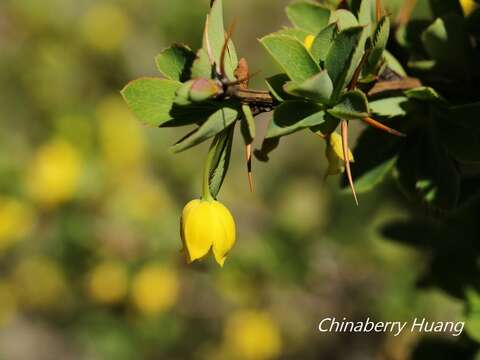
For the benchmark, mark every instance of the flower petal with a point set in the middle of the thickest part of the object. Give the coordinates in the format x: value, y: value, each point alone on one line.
x: 197, y: 227
x: 223, y: 243
x: 186, y: 211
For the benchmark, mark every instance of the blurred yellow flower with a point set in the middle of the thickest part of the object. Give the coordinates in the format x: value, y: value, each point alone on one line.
x: 155, y: 289
x: 468, y: 6
x: 105, y: 27
x: 8, y: 302
x: 308, y: 42
x: 108, y: 282
x: 252, y: 335
x: 16, y: 221
x: 142, y: 198
x: 121, y: 136
x: 207, y: 224
x: 39, y: 283
x: 55, y: 173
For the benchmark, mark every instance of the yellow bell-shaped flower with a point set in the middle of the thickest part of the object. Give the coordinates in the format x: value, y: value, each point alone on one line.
x: 468, y: 6
x: 207, y: 224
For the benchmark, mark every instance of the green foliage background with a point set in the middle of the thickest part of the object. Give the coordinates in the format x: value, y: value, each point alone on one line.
x: 90, y: 201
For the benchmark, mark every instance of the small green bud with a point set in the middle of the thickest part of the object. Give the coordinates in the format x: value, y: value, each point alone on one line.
x: 203, y: 89
x: 183, y: 98
x: 197, y: 90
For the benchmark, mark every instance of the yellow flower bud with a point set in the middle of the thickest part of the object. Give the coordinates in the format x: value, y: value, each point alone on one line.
x: 468, y: 6
x: 308, y: 42
x: 334, y: 153
x: 207, y: 224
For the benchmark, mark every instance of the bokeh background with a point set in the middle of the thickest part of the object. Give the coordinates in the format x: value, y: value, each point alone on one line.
x: 90, y: 200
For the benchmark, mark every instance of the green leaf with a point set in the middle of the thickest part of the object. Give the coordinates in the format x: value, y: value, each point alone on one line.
x: 323, y: 41
x: 231, y: 60
x: 447, y: 42
x: 344, y: 57
x: 327, y: 127
x: 394, y: 64
x: 389, y: 107
x: 214, y: 39
x: 422, y: 65
x: 425, y: 93
x: 292, y: 56
x: 201, y: 67
x: 344, y: 19
x: 318, y: 88
x: 175, y: 62
x: 296, y: 33
x: 275, y: 85
x: 308, y: 16
x: 292, y: 116
x: 182, y: 97
x: 221, y: 159
x: 365, y: 14
x: 151, y: 99
x: 380, y: 40
x: 352, y: 106
x: 187, y: 115
x: 268, y: 145
x: 374, y: 176
x: 248, y: 124
x: 216, y: 123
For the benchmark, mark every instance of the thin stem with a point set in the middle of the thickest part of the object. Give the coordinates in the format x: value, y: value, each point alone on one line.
x: 206, y: 195
x: 264, y: 97
x: 252, y: 96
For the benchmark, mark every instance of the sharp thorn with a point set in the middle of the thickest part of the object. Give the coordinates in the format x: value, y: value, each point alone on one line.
x: 207, y: 42
x: 346, y: 158
x: 248, y: 153
x: 228, y: 36
x: 379, y: 10
x: 243, y: 79
x: 383, y: 127
x: 358, y: 71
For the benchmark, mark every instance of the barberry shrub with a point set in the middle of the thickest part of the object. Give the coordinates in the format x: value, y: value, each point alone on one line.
x: 411, y: 75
